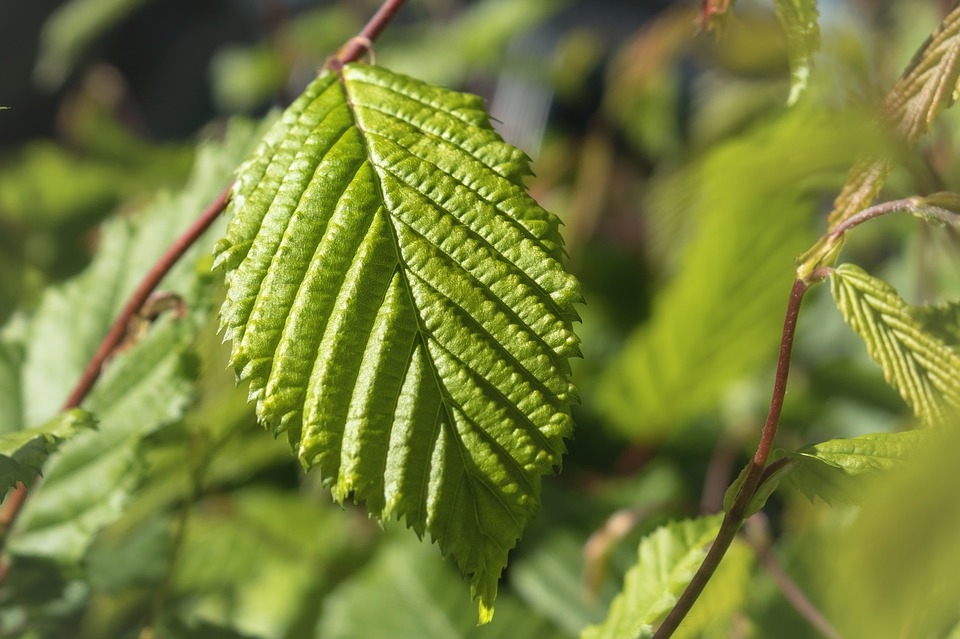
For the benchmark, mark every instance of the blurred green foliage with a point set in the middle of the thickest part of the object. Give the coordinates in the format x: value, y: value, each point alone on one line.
x: 686, y: 186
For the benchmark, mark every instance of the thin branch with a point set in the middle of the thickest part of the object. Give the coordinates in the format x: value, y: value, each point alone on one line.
x: 13, y: 504
x: 733, y: 519
x: 758, y: 536
x: 153, y: 277
x: 364, y: 40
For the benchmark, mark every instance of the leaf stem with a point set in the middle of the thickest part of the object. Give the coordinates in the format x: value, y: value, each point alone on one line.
x: 734, y: 517
x: 909, y: 204
x: 363, y: 40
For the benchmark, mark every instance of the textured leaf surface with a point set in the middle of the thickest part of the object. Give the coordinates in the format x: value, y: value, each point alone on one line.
x: 23, y: 452
x: 924, y: 369
x: 717, y: 320
x: 397, y: 303
x: 925, y: 89
x: 799, y: 19
x: 667, y: 561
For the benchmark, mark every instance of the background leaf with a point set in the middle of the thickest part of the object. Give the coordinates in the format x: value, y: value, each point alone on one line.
x: 397, y: 302
x: 915, y: 362
x: 717, y: 319
x: 23, y: 452
x: 667, y: 560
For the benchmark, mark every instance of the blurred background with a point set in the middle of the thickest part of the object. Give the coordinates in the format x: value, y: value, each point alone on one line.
x: 685, y: 183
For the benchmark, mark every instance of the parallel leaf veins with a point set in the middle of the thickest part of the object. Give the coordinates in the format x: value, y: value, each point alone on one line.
x: 397, y: 303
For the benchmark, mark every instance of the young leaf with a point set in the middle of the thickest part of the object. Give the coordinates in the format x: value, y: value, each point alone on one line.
x: 397, y: 303
x: 799, y: 20
x: 926, y: 88
x: 22, y: 452
x: 825, y: 469
x: 914, y: 361
x: 667, y: 561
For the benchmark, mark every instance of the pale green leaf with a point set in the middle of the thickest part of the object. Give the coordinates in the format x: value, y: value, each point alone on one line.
x: 397, y: 303
x: 826, y: 469
x: 88, y: 481
x: 404, y: 592
x: 799, y: 20
x: 23, y: 452
x: 11, y: 399
x: 725, y: 594
x: 917, y: 363
x: 667, y: 560
x: 718, y: 319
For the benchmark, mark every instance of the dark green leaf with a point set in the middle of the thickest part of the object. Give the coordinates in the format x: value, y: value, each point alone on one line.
x: 397, y: 302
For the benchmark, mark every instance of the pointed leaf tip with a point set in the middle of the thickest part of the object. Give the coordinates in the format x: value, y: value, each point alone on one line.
x: 398, y: 304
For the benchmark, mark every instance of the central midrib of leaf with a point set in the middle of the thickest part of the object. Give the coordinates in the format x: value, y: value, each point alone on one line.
x: 396, y: 300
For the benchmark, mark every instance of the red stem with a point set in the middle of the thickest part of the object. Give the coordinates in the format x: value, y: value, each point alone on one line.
x: 362, y: 41
x: 13, y: 504
x: 734, y: 517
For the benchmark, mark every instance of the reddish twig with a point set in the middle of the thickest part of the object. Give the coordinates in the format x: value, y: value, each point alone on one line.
x: 734, y: 517
x: 758, y: 536
x: 364, y: 40
x: 13, y: 504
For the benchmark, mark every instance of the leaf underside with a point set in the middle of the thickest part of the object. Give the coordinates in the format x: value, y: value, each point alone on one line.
x: 914, y: 360
x: 397, y: 303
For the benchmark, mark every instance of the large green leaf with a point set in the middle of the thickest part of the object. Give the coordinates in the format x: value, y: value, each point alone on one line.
x: 667, y: 561
x: 397, y: 302
x: 914, y: 361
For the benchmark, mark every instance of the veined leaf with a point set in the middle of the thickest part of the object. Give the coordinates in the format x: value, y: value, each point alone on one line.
x: 799, y: 19
x: 927, y: 87
x: 914, y: 361
x: 397, y: 303
x: 667, y: 561
x: 23, y: 452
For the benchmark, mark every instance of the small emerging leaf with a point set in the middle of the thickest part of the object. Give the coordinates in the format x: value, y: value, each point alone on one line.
x: 667, y: 561
x: 914, y: 361
x: 23, y: 452
x: 397, y: 302
x: 925, y: 89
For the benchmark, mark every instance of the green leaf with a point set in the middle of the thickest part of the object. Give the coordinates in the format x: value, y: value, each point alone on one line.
x: 397, y: 302
x: 718, y: 319
x: 88, y: 482
x: 724, y: 595
x: 23, y: 452
x: 917, y: 363
x: 403, y: 592
x: 825, y: 469
x: 667, y: 560
x: 799, y: 20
